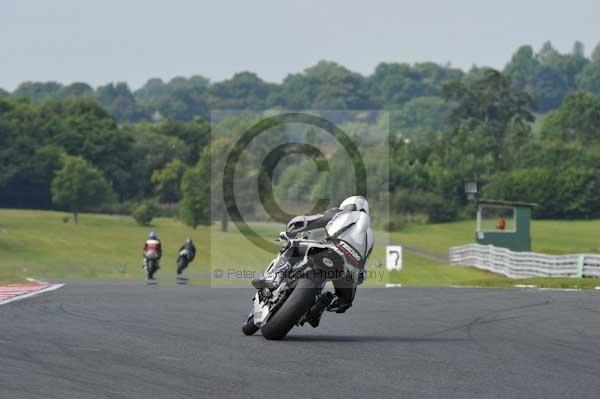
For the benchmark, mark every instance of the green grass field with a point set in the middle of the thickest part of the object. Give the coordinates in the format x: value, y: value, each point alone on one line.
x: 38, y: 244
x: 548, y: 236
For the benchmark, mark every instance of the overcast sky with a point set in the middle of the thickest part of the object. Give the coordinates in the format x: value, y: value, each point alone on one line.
x: 133, y: 40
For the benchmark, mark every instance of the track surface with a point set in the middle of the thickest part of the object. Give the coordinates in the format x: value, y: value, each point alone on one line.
x: 127, y: 340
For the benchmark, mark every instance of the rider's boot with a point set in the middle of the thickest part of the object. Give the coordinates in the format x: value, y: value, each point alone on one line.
x: 313, y: 317
x: 345, y: 290
x: 339, y: 306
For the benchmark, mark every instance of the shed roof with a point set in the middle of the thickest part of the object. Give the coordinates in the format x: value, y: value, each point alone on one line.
x: 507, y: 203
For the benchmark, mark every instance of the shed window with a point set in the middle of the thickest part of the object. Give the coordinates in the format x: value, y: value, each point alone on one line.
x: 494, y: 218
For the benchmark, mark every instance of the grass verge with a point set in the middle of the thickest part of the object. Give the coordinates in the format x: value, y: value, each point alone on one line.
x: 38, y: 244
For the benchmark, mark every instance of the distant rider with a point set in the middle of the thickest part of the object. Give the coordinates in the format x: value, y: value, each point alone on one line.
x: 349, y: 226
x: 152, y: 251
x: 187, y: 253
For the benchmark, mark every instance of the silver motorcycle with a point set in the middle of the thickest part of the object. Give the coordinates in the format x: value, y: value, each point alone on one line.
x: 291, y: 290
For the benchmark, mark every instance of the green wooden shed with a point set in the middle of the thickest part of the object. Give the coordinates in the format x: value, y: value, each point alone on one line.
x: 505, y: 224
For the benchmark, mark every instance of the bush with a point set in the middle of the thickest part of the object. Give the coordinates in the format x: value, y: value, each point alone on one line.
x: 119, y: 208
x: 441, y: 210
x: 167, y: 211
x: 65, y: 219
x: 144, y: 213
x: 409, y: 202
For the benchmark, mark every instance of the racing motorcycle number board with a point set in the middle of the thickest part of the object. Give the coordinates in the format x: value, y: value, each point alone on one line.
x: 393, y: 257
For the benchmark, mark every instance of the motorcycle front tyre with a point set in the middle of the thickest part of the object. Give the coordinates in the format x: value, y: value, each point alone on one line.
x: 296, y: 305
x: 249, y: 328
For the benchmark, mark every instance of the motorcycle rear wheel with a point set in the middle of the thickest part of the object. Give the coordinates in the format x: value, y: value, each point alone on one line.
x: 151, y: 267
x: 296, y: 305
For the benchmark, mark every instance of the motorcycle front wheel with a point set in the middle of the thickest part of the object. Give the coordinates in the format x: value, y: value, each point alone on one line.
x: 296, y: 305
x: 181, y: 265
x: 249, y: 328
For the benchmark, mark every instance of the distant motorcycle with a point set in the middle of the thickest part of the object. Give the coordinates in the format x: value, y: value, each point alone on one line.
x: 187, y: 253
x: 151, y: 264
x: 291, y: 291
x: 185, y: 257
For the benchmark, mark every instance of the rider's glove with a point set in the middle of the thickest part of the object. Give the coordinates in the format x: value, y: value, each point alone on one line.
x: 283, y: 236
x: 295, y: 225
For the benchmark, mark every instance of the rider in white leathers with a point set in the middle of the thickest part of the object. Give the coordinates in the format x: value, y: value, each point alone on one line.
x: 349, y: 226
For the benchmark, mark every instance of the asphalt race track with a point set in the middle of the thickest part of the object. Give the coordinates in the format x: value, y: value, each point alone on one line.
x: 128, y: 340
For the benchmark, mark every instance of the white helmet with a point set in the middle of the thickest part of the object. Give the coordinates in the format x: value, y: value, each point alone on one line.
x: 355, y: 203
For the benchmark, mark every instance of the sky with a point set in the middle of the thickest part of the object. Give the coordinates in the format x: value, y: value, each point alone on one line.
x: 134, y: 40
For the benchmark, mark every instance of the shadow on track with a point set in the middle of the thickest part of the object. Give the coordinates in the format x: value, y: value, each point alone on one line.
x: 368, y: 339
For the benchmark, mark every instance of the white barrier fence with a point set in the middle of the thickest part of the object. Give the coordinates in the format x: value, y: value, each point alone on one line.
x: 525, y: 264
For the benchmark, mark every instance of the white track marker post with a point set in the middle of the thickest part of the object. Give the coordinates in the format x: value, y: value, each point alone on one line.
x: 393, y: 257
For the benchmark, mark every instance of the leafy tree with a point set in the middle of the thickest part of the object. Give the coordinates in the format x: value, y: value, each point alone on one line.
x: 559, y: 193
x: 195, y: 134
x: 522, y: 68
x: 26, y: 167
x: 420, y: 116
x: 79, y: 186
x: 488, y: 106
x: 180, y: 98
x: 78, y: 89
x: 245, y: 90
x: 550, y: 87
x: 167, y: 181
x: 548, y: 75
x: 577, y: 119
x: 152, y: 151
x: 595, y: 57
x: 118, y: 100
x: 394, y: 84
x: 40, y: 172
x: 144, y: 213
x: 556, y: 75
x: 589, y: 77
x: 326, y: 85
x: 83, y: 128
x: 38, y: 91
x: 195, y: 189
x: 213, y: 159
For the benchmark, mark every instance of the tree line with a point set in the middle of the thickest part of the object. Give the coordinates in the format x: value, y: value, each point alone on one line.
x: 412, y: 93
x: 530, y: 132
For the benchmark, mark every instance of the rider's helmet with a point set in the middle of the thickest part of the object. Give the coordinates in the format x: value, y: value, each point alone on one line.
x: 188, y: 240
x: 153, y: 235
x: 355, y: 203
